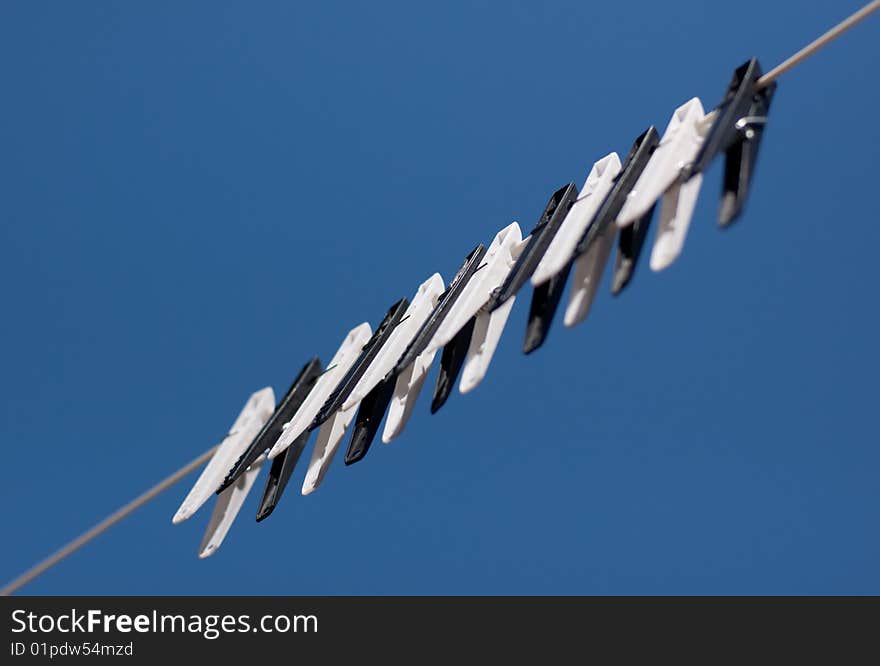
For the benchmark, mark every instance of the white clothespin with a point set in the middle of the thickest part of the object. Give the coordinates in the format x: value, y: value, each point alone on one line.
x: 332, y: 432
x: 254, y: 414
x: 561, y: 249
x: 588, y: 267
x: 684, y: 135
x: 420, y: 307
x: 497, y: 262
x: 226, y: 509
x: 342, y: 360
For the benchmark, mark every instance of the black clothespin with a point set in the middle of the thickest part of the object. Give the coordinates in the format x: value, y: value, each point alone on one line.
x: 369, y: 416
x: 630, y: 244
x: 736, y: 132
x: 629, y: 247
x: 451, y: 362
x: 632, y: 168
x: 427, y: 330
x: 368, y: 353
x: 545, y: 298
x: 540, y: 238
x: 271, y: 430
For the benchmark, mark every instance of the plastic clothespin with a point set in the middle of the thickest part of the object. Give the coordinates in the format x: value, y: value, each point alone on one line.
x: 495, y: 268
x: 346, y: 385
x: 545, y: 298
x: 342, y: 360
x: 253, y: 415
x: 372, y: 394
x: 283, y: 465
x: 272, y: 429
x: 425, y: 334
x: 413, y: 366
x: 592, y: 251
x: 682, y: 139
x: 334, y: 417
x: 455, y: 332
x: 736, y: 131
x: 540, y: 238
x: 552, y: 271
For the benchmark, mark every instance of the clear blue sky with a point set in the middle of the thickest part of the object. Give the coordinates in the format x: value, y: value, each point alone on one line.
x: 196, y: 199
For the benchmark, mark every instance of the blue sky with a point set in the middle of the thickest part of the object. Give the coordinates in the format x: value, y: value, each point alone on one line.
x: 196, y: 199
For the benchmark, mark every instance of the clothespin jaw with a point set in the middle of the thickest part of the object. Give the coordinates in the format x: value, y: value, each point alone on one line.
x: 629, y: 247
x: 226, y: 509
x: 545, y: 301
x: 392, y: 318
x: 736, y: 132
x: 279, y: 474
x: 447, y: 300
x: 451, y: 362
x: 541, y: 236
x: 273, y: 428
x: 369, y: 416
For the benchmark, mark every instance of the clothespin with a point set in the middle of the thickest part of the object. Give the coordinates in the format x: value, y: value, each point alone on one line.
x: 426, y: 332
x: 283, y: 465
x: 736, y: 131
x: 372, y: 394
x: 682, y: 139
x: 545, y: 298
x: 272, y: 429
x: 342, y: 360
x: 541, y: 236
x: 592, y: 251
x: 413, y: 365
x: 455, y: 331
x: 347, y: 384
x: 552, y: 271
x: 489, y: 276
x: 333, y: 418
x: 253, y: 415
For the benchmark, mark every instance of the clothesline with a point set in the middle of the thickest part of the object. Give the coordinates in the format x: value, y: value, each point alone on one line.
x: 169, y: 481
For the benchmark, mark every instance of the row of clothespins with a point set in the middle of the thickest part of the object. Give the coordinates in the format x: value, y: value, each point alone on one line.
x: 383, y: 370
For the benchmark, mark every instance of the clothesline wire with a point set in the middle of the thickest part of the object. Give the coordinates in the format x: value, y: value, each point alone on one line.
x: 169, y: 481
